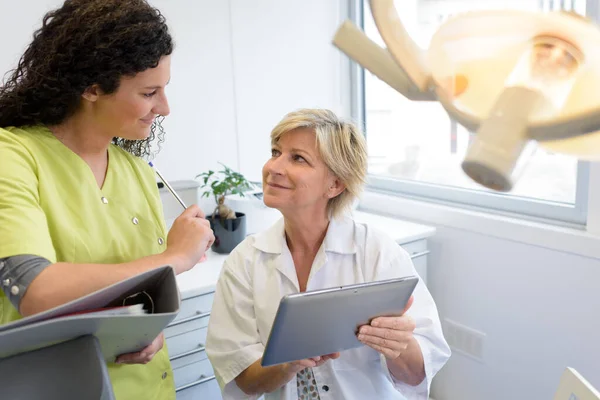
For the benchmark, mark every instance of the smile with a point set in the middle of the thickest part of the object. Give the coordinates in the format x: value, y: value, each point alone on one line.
x: 276, y: 186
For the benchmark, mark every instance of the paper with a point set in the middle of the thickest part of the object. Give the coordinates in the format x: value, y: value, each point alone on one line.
x: 119, y: 329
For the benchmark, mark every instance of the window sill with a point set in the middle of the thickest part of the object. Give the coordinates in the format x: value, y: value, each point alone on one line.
x: 565, y: 239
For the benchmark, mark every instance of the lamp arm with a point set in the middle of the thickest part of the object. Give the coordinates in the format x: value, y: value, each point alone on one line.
x: 355, y: 44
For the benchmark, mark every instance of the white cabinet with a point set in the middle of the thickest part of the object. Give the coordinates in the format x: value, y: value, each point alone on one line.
x: 204, y: 389
x: 418, y: 253
x: 411, y: 236
x: 186, y: 338
x: 186, y: 335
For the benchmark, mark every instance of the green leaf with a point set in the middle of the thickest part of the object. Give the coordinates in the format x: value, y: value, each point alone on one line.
x: 223, y: 182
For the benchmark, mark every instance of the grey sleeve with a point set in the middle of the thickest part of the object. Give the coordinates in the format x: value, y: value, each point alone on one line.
x: 17, y: 273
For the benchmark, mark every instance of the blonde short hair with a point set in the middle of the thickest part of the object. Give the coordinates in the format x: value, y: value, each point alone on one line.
x: 342, y: 147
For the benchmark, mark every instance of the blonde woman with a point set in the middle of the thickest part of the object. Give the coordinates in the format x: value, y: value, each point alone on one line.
x: 317, y: 168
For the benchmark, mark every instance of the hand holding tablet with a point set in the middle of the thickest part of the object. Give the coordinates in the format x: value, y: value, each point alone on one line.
x: 324, y: 322
x: 389, y: 336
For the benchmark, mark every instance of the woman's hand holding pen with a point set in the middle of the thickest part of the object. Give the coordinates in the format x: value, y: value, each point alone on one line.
x: 189, y: 239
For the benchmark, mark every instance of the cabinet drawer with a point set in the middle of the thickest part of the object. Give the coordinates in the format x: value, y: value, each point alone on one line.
x: 192, y: 372
x: 415, y: 248
x: 193, y: 306
x: 186, y: 342
x: 207, y: 389
x: 420, y: 264
x: 190, y: 357
x: 187, y: 325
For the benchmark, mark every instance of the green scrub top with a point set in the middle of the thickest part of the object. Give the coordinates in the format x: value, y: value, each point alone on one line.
x: 51, y: 206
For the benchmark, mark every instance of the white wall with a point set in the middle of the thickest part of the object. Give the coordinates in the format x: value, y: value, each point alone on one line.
x: 238, y: 67
x: 538, y: 307
x: 17, y: 25
x: 283, y: 60
x: 201, y: 129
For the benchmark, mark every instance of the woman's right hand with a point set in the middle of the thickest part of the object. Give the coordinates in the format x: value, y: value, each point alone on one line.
x: 297, y: 366
x: 189, y: 238
x: 257, y: 380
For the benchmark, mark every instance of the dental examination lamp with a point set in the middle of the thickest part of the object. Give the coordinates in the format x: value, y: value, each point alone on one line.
x: 511, y: 77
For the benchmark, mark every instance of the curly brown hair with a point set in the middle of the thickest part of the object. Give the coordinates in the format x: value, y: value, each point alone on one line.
x: 82, y: 43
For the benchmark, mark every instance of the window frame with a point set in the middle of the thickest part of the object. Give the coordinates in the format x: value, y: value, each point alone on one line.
x: 573, y: 215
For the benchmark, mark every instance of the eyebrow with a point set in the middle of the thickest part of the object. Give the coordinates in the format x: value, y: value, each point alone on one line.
x: 157, y: 87
x: 294, y: 150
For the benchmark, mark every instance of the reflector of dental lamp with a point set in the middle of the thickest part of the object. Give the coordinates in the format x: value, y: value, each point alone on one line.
x: 510, y: 77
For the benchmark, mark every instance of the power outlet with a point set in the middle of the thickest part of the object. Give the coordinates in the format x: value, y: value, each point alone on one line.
x: 463, y: 339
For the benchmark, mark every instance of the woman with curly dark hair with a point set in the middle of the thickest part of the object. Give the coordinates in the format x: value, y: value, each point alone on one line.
x: 79, y: 207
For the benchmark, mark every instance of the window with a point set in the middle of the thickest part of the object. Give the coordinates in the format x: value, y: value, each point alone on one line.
x: 416, y: 149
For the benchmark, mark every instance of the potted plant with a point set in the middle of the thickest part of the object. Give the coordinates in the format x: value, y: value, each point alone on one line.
x: 228, y: 226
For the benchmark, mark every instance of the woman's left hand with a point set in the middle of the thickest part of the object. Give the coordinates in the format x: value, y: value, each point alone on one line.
x: 390, y: 336
x: 145, y: 355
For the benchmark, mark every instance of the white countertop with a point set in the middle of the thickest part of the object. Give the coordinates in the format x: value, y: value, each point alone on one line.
x: 401, y: 231
x: 203, y: 277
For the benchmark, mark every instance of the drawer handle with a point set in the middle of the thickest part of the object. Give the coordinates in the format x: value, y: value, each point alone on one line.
x: 200, y: 348
x: 199, y: 314
x: 419, y: 254
x: 200, y: 381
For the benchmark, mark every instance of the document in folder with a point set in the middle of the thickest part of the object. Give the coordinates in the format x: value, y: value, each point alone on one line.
x: 121, y: 327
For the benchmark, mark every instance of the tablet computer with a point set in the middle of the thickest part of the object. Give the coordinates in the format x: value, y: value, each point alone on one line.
x: 320, y: 322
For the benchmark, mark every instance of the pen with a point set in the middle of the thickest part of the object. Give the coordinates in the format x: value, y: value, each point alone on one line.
x: 168, y: 186
x: 174, y: 195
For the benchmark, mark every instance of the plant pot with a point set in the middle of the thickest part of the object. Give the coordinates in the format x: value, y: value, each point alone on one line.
x: 228, y: 233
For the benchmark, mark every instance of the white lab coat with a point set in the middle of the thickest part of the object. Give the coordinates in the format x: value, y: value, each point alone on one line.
x: 260, y: 271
